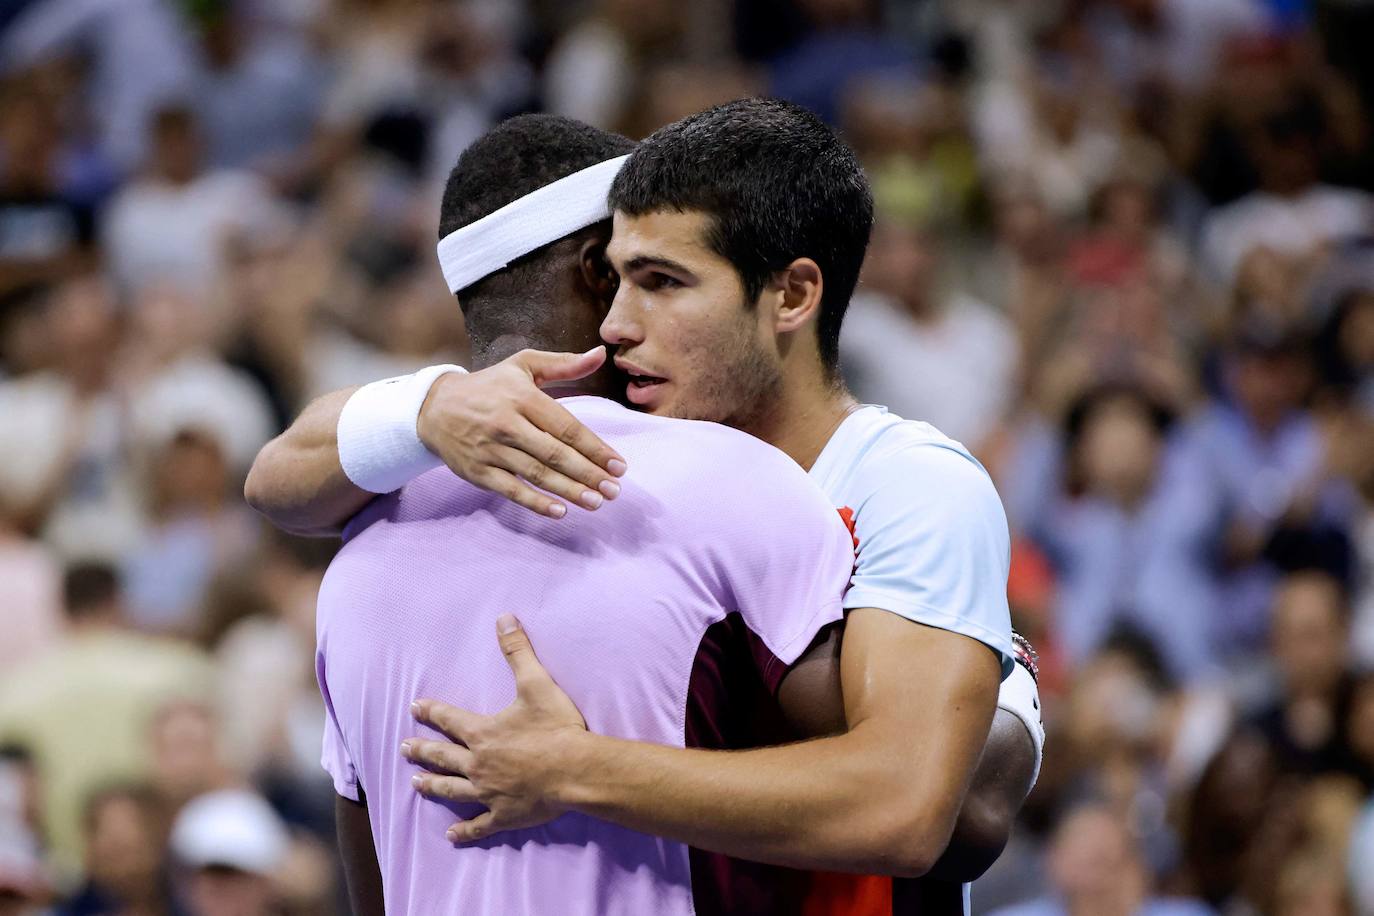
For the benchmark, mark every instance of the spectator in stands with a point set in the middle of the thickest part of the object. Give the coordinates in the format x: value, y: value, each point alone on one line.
x: 65, y: 467
x: 171, y: 223
x: 1131, y: 534
x: 929, y: 354
x: 226, y: 846
x: 1095, y: 867
x: 1305, y: 722
x: 107, y: 683
x: 44, y: 233
x: 125, y: 827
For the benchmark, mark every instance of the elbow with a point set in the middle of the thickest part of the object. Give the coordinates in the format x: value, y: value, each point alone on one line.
x: 908, y: 845
x: 913, y: 856
x: 979, y: 837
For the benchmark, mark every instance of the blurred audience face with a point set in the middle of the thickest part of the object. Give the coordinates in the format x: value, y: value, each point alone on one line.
x: 165, y: 322
x: 1311, y: 885
x: 26, y: 337
x: 190, y: 474
x: 1024, y: 223
x: 1113, y: 709
x: 901, y: 264
x: 124, y: 845
x: 1309, y: 634
x: 184, y: 744
x: 1268, y: 385
x: 176, y: 145
x: 219, y: 891
x: 1119, y: 450
x: 29, y: 138
x: 1356, y: 335
x: 1360, y: 723
x: 83, y: 326
x: 1094, y: 864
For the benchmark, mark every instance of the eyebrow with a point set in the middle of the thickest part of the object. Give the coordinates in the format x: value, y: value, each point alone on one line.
x: 642, y: 261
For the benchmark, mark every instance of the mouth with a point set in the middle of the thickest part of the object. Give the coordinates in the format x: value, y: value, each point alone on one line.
x: 642, y: 388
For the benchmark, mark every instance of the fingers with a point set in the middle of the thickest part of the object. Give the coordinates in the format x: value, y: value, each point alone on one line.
x: 449, y: 788
x: 441, y: 757
x: 575, y: 449
x: 540, y: 475
x: 515, y: 645
x: 545, y: 367
x: 522, y: 494
x: 479, y: 828
x: 455, y: 723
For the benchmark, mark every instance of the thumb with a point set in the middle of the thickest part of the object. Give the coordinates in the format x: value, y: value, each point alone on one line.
x: 545, y: 367
x: 519, y: 653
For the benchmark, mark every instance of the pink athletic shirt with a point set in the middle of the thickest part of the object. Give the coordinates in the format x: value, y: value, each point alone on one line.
x: 718, y: 549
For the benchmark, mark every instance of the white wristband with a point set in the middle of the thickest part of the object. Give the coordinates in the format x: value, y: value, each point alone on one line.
x: 1021, y: 697
x: 379, y: 447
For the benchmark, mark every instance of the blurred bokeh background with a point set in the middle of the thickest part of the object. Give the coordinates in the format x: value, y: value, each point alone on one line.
x: 1124, y: 252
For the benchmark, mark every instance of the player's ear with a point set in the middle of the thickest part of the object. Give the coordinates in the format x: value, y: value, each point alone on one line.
x: 597, y: 273
x: 799, y: 286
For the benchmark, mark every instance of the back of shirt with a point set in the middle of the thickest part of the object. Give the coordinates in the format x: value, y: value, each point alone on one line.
x: 710, y: 522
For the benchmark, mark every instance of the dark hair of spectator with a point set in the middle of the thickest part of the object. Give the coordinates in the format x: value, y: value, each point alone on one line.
x: 89, y: 588
x: 777, y: 184
x: 1161, y: 418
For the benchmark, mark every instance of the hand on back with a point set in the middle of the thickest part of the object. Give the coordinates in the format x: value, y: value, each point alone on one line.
x: 498, y: 430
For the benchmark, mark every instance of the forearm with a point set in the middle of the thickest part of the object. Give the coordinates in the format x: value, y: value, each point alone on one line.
x: 843, y: 803
x: 297, y: 480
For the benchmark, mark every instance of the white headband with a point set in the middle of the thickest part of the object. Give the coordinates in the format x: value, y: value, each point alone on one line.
x: 521, y: 226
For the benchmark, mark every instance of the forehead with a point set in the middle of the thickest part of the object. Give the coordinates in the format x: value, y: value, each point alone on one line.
x: 667, y: 234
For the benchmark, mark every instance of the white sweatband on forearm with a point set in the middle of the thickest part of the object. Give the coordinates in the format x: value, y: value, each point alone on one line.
x: 1021, y: 697
x: 379, y: 447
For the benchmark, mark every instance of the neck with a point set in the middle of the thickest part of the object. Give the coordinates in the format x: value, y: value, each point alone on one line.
x: 808, y: 410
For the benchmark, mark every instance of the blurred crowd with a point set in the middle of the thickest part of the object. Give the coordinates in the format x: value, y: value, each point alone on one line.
x: 1125, y: 252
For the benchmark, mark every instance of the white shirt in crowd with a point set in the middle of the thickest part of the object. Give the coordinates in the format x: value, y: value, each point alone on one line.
x: 1293, y: 225
x: 955, y: 372
x: 156, y: 231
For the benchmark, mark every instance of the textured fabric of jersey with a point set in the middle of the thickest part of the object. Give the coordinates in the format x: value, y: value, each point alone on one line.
x: 710, y: 523
x: 931, y: 534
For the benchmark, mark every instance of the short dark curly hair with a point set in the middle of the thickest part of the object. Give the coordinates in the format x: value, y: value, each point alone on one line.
x: 515, y: 158
x: 520, y: 155
x: 777, y: 184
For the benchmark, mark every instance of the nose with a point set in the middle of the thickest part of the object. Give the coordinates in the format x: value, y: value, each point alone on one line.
x: 622, y: 325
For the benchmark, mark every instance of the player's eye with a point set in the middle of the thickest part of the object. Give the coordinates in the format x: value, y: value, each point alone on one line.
x: 657, y: 281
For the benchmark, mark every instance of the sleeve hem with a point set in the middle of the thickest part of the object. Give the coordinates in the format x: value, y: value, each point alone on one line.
x: 344, y: 786
x: 858, y: 597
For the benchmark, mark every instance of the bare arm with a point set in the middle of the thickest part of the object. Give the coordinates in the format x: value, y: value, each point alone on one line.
x: 359, y: 855
x: 881, y: 798
x: 493, y: 428
x: 297, y: 481
x: 812, y: 701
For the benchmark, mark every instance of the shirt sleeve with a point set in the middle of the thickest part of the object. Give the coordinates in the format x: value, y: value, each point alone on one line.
x: 933, y: 545
x: 334, y: 756
x: 789, y: 558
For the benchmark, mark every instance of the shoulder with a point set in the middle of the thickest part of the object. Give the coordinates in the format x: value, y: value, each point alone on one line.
x: 915, y: 457
x: 702, y: 446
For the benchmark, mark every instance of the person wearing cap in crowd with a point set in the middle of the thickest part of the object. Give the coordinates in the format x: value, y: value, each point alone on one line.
x: 228, y: 845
